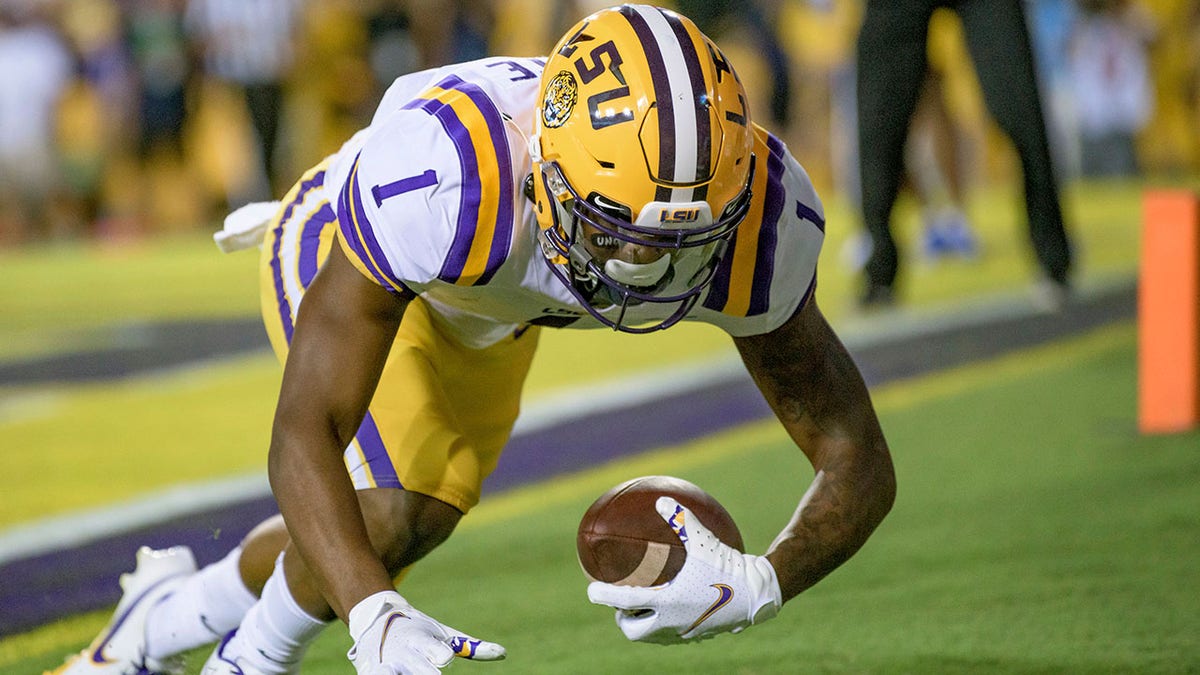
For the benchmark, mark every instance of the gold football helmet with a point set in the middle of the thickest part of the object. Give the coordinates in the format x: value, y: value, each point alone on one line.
x: 642, y: 161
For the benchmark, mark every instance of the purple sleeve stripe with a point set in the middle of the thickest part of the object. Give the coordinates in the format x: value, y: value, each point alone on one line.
x: 310, y: 243
x: 768, y: 236
x: 470, y: 194
x: 472, y: 226
x: 379, y: 464
x: 812, y: 288
x: 774, y: 145
x: 503, y: 229
x: 281, y: 299
x: 359, y: 234
x: 764, y: 239
x: 382, y: 192
x: 718, y: 290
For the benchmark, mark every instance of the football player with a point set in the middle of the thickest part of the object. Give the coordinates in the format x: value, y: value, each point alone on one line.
x: 619, y: 183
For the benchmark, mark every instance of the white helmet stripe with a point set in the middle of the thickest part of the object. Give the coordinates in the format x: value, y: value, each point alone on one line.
x: 682, y: 98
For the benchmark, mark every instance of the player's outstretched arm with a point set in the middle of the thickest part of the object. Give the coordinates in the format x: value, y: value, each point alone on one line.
x: 817, y: 392
x: 344, y: 331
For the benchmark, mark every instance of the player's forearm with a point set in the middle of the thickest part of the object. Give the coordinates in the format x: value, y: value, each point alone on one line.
x: 848, y: 498
x: 324, y: 520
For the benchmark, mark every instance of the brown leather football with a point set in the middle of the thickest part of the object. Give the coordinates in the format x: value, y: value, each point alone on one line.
x: 623, y: 540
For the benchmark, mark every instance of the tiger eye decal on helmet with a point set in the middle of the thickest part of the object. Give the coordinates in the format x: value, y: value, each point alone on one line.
x: 560, y: 98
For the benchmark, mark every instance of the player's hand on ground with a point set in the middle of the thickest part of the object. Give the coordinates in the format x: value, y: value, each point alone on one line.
x: 718, y: 590
x: 393, y: 638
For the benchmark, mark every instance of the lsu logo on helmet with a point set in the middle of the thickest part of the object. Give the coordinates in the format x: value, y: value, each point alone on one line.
x: 679, y: 215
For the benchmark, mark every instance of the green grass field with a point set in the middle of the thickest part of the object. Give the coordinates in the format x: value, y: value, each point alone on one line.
x: 1035, y: 532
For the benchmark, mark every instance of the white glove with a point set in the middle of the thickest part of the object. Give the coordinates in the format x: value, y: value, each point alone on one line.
x: 393, y: 638
x: 718, y: 589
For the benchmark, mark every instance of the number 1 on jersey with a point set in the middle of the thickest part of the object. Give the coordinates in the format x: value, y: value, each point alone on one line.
x: 399, y: 187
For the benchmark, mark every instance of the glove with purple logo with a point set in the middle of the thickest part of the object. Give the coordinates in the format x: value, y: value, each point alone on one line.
x: 393, y: 638
x: 718, y: 589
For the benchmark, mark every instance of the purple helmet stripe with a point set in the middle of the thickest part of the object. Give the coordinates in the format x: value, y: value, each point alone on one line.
x: 662, y: 97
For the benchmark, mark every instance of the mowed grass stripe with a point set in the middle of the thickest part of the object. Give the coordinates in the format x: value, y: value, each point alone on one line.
x: 1036, y: 531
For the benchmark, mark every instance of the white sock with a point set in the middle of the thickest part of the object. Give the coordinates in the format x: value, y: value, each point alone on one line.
x: 276, y: 631
x: 206, y: 606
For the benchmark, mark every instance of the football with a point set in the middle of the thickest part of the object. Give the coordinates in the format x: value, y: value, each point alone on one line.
x: 623, y: 540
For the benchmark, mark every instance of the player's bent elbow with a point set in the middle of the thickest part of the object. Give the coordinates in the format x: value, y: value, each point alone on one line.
x: 882, y: 487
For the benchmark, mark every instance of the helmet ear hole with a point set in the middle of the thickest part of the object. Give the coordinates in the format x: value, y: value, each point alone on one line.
x: 527, y: 188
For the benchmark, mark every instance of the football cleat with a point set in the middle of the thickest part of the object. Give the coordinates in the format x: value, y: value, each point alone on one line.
x: 221, y: 663
x: 121, y: 647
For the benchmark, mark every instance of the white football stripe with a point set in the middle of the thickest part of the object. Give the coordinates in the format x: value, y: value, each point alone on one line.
x: 651, y: 566
x: 686, y: 136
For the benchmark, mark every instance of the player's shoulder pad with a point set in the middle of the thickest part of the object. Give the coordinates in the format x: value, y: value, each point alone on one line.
x: 769, y: 268
x: 436, y: 183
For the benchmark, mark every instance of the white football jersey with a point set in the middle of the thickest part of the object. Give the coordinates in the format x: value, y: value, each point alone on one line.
x: 429, y: 200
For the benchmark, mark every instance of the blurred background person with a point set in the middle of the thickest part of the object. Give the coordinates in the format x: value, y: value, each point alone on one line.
x: 1050, y: 26
x: 162, y: 69
x: 36, y: 67
x: 250, y: 45
x: 892, y: 63
x: 937, y: 156
x: 98, y: 124
x: 449, y: 31
x: 1109, y: 67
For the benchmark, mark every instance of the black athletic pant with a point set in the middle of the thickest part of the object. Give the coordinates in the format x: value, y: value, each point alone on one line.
x: 891, y: 67
x: 265, y: 103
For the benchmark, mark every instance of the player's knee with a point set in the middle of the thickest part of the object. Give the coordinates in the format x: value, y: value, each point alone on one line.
x: 260, y: 548
x: 405, y: 526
